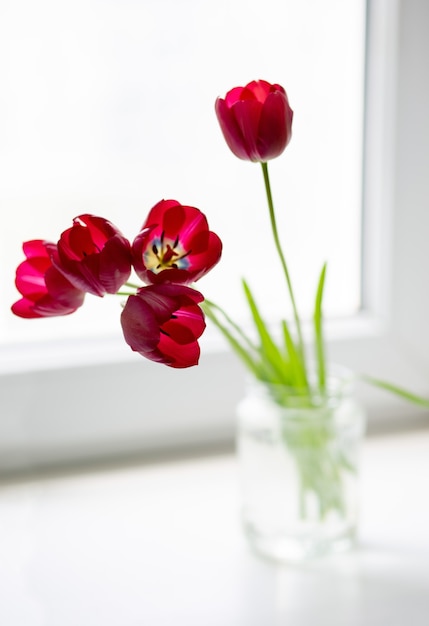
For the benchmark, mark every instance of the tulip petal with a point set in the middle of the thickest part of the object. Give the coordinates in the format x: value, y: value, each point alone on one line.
x: 179, y: 356
x: 275, y: 126
x: 35, y: 248
x: 231, y: 130
x: 259, y: 90
x: 139, y: 325
x: 157, y: 212
x: 24, y: 308
x: 30, y: 276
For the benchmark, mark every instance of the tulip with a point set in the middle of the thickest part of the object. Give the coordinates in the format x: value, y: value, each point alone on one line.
x: 163, y: 323
x: 46, y: 292
x: 256, y: 120
x: 94, y: 255
x: 175, y: 245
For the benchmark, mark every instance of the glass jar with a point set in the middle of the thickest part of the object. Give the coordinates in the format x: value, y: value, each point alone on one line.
x: 299, y: 468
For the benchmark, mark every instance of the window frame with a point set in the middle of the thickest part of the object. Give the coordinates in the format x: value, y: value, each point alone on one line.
x: 44, y: 386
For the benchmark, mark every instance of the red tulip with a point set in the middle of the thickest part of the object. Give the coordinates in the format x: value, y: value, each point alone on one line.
x: 163, y: 323
x: 256, y: 120
x: 94, y: 255
x: 175, y: 245
x: 46, y: 291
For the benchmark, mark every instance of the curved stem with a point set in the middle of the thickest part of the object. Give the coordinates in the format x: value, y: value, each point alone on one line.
x: 236, y: 327
x: 282, y: 258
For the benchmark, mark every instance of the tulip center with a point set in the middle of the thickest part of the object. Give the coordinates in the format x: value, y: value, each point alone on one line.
x: 165, y: 254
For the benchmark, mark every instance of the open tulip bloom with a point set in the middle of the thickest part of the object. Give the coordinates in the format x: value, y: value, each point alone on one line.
x: 175, y: 238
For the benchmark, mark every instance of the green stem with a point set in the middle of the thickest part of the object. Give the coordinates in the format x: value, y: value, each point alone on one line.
x: 236, y: 327
x: 318, y: 327
x: 241, y: 351
x: 282, y: 258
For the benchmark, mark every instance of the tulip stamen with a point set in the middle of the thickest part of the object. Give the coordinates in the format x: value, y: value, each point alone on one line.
x: 166, y: 254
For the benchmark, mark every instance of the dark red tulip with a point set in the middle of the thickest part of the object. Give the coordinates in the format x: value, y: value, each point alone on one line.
x: 175, y: 245
x: 256, y: 120
x: 46, y: 292
x: 94, y: 255
x: 163, y: 323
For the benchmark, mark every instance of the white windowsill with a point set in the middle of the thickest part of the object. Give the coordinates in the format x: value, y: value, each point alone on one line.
x: 98, y: 400
x: 19, y: 358
x: 161, y: 544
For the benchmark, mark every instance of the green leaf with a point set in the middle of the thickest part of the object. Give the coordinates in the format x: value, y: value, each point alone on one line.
x: 297, y: 371
x: 399, y: 391
x: 269, y: 351
x: 235, y: 344
x: 318, y: 329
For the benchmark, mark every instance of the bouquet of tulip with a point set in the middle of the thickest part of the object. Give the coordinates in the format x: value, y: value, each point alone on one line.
x: 163, y: 318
